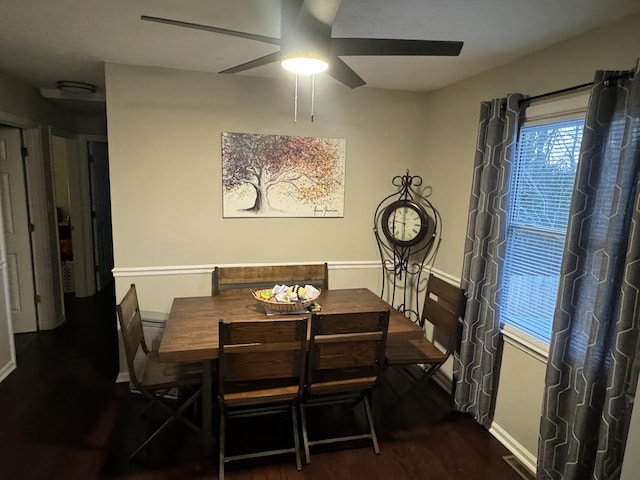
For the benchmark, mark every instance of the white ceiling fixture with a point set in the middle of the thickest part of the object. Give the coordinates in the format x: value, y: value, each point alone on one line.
x: 304, y: 65
x: 75, y: 95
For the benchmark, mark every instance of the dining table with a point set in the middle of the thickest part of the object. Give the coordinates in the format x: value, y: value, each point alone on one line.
x: 191, y: 330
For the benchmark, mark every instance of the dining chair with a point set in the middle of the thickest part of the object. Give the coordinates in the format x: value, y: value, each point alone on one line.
x: 346, y: 353
x: 266, y: 276
x: 419, y: 359
x: 156, y: 380
x: 260, y: 372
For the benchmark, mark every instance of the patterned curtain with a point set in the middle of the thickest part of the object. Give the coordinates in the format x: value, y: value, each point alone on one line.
x: 593, y: 359
x: 476, y: 365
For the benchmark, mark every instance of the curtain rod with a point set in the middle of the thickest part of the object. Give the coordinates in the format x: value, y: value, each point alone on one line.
x: 628, y: 73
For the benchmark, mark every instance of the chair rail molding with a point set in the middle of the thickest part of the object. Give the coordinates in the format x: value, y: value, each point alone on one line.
x: 153, y: 270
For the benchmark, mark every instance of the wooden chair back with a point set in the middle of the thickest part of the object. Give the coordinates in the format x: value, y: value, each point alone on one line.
x: 444, y: 305
x: 346, y: 351
x: 261, y: 361
x: 155, y: 379
x: 131, y: 330
x: 224, y: 278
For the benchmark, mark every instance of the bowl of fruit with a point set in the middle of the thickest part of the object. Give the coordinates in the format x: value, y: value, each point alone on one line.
x: 284, y: 298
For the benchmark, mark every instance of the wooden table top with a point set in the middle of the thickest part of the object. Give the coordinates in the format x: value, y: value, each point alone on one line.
x: 191, y: 331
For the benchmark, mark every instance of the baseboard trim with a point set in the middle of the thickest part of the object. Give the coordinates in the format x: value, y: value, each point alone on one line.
x: 444, y: 381
x: 6, y: 370
x: 528, y: 459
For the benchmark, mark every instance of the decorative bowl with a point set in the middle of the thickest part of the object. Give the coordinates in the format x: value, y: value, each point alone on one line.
x: 283, y: 307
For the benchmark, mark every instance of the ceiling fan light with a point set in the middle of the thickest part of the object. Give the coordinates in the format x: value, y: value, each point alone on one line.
x: 304, y: 65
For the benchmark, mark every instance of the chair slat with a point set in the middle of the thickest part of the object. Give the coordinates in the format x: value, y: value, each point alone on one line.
x: 349, y: 337
x: 345, y: 354
x: 341, y: 323
x: 439, y: 316
x: 263, y: 365
x: 267, y: 276
x: 450, y: 296
x: 267, y: 332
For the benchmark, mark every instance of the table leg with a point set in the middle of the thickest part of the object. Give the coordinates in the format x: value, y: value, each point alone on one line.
x: 207, y: 405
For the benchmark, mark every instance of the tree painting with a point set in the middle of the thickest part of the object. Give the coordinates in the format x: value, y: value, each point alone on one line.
x: 282, y: 176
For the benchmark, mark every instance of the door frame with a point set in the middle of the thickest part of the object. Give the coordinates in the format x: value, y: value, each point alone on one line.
x: 99, y: 247
x: 85, y: 172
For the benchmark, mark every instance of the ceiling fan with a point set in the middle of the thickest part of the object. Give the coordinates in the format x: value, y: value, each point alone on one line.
x: 305, y: 32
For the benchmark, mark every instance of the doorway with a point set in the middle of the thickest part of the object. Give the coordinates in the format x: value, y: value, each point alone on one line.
x: 83, y: 206
x: 62, y: 151
x: 37, y: 186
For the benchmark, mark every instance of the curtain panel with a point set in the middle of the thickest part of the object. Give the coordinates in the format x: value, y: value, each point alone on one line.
x: 593, y: 359
x: 476, y: 365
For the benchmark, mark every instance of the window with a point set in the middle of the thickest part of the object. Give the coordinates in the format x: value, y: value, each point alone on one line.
x: 542, y: 181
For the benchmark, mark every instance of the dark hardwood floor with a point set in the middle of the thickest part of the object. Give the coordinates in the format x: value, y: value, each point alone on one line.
x: 62, y: 416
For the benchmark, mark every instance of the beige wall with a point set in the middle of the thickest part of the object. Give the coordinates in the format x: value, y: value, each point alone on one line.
x: 164, y: 142
x: 164, y: 137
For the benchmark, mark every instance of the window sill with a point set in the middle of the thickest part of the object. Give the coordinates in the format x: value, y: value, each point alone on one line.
x: 525, y: 343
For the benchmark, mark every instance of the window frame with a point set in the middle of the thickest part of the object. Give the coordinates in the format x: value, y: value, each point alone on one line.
x: 567, y: 107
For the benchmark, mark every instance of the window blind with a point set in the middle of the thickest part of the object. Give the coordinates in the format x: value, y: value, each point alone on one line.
x: 541, y: 181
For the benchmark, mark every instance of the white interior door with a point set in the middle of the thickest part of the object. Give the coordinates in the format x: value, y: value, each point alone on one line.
x: 16, y: 229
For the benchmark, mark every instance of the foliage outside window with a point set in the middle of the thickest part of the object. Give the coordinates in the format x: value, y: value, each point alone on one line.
x: 542, y: 182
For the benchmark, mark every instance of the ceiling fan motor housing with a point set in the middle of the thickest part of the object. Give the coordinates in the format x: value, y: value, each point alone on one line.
x: 303, y: 35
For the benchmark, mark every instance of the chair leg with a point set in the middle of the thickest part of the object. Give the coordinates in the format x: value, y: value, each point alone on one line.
x: 374, y: 438
x: 399, y: 397
x: 178, y: 414
x: 221, y: 441
x: 415, y: 384
x: 296, y: 439
x: 147, y: 412
x: 305, y: 436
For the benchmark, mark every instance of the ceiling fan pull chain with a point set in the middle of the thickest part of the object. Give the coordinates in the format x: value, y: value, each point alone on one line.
x: 313, y: 94
x: 295, y: 102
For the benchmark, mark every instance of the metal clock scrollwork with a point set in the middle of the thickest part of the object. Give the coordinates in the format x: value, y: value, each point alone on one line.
x: 407, y: 230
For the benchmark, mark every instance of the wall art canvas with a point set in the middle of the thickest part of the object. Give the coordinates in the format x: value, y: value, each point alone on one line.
x: 282, y: 176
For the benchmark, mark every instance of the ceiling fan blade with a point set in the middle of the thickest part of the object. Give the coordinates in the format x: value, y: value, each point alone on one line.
x: 207, y: 28
x: 258, y: 62
x: 343, y: 73
x: 384, y: 46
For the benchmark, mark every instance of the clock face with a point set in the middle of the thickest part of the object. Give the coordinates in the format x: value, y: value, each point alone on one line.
x: 404, y: 223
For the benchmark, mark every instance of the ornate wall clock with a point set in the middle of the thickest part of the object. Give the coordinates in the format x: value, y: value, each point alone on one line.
x: 407, y: 230
x: 405, y: 223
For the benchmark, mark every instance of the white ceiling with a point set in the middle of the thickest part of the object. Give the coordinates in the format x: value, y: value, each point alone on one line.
x: 42, y: 41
